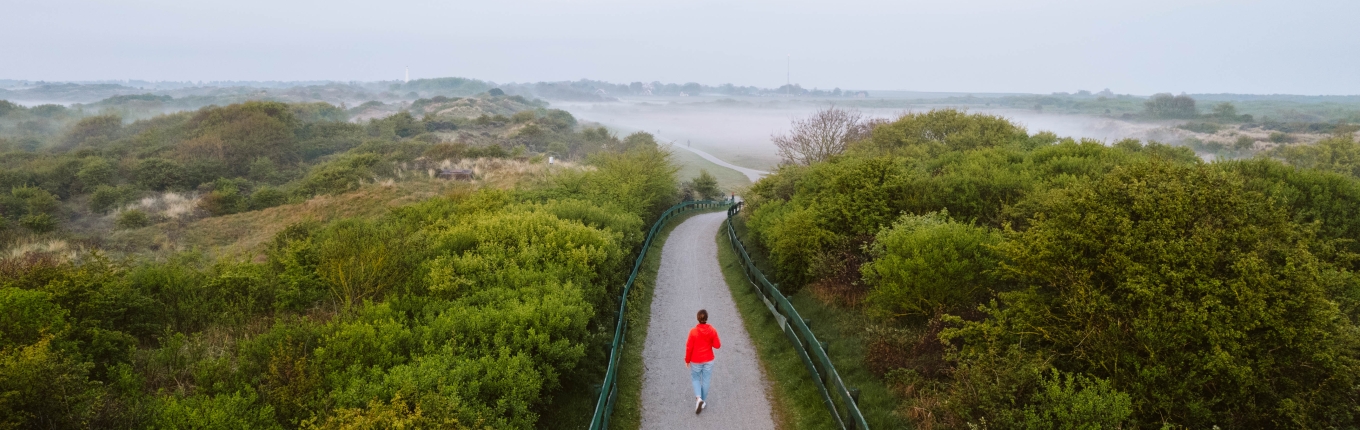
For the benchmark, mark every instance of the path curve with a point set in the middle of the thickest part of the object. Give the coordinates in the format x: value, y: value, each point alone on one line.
x: 752, y: 174
x: 690, y: 279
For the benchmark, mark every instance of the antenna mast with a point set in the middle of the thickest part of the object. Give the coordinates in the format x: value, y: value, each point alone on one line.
x: 788, y: 73
x: 408, y: 74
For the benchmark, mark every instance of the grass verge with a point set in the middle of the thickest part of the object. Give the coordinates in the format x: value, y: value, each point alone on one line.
x: 796, y: 400
x: 628, y: 410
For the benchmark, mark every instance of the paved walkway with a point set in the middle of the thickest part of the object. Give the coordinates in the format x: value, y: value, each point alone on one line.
x: 751, y: 174
x: 690, y: 279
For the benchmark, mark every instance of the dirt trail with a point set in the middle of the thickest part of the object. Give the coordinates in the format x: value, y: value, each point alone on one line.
x: 690, y: 279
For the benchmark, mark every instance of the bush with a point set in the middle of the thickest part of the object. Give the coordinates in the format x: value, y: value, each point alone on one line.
x: 105, y: 197
x: 206, y: 412
x: 42, y: 387
x: 940, y: 130
x: 267, y: 197
x: 159, y: 174
x: 38, y: 223
x: 338, y: 175
x: 1143, y: 278
x: 361, y: 261
x: 927, y: 265
x: 225, y: 199
x: 28, y: 316
x: 133, y: 218
x: 702, y: 187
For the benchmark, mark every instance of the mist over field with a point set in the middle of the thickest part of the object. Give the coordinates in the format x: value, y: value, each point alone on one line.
x: 739, y: 131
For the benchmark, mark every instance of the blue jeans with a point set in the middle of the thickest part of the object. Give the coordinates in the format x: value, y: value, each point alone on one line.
x: 699, y: 375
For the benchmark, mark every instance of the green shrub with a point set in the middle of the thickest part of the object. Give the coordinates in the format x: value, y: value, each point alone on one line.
x: 159, y: 174
x: 928, y: 264
x: 361, y: 261
x: 42, y: 387
x: 133, y: 218
x: 338, y: 175
x: 104, y: 198
x: 96, y: 171
x: 38, y: 223
x: 226, y: 198
x: 28, y: 316
x: 944, y: 129
x: 223, y: 411
x: 702, y: 187
x: 1074, y: 402
x: 1173, y: 283
x: 267, y: 197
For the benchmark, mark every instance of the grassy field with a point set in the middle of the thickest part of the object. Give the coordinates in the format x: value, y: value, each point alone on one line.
x: 690, y: 164
x: 795, y: 398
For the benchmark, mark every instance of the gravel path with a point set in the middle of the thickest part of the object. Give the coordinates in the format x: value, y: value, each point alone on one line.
x: 690, y: 279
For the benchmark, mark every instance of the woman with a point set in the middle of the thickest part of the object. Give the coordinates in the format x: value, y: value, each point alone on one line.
x: 703, y: 339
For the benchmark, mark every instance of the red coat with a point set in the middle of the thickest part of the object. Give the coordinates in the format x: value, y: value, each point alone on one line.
x: 703, y: 339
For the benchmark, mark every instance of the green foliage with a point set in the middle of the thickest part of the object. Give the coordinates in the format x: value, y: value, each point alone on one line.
x: 469, y: 310
x: 1164, y: 105
x: 1340, y: 154
x: 96, y: 172
x: 226, y: 198
x: 267, y: 197
x: 702, y: 187
x: 927, y: 265
x: 159, y: 174
x: 360, y: 261
x: 942, y: 130
x: 133, y: 218
x: 1134, y: 277
x: 338, y: 175
x: 93, y: 131
x: 27, y: 316
x: 1074, y: 402
x: 220, y: 412
x: 1090, y: 286
x: 38, y: 223
x: 105, y: 197
x: 42, y: 387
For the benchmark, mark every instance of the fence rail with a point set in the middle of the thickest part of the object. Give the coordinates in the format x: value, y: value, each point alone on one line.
x: 609, y: 390
x: 840, y: 400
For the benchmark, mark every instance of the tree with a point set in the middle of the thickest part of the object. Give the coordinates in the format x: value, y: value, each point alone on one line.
x: 818, y: 137
x: 1225, y: 111
x: 1164, y: 105
x: 702, y: 187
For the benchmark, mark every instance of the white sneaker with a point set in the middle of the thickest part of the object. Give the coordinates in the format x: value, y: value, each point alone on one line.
x: 698, y: 405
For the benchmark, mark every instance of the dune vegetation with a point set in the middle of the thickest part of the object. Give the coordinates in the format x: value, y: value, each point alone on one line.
x: 273, y: 265
x: 1017, y: 280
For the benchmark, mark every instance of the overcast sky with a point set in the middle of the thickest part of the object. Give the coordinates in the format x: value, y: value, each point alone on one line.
x: 1138, y: 47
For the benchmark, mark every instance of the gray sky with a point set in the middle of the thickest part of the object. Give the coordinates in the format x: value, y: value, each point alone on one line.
x: 1139, y: 47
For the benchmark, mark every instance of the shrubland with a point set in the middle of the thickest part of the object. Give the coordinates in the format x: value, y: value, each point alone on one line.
x: 382, y: 297
x: 1017, y: 280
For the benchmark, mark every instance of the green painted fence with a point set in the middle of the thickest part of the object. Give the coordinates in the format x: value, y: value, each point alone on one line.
x: 840, y: 400
x: 609, y: 390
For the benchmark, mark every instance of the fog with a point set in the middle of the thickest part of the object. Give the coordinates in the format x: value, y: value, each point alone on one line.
x: 1143, y: 47
x: 739, y: 131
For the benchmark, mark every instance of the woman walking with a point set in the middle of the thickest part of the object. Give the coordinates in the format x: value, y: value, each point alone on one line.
x: 703, y: 339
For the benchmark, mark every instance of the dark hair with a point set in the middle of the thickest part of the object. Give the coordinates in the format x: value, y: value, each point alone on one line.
x: 703, y: 316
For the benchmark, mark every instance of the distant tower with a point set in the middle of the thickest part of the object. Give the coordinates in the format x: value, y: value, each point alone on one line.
x: 788, y: 74
x: 408, y: 73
